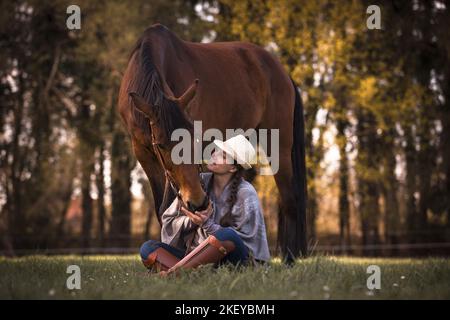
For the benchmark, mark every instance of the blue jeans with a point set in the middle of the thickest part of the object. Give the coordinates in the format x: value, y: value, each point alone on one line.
x: 238, y: 256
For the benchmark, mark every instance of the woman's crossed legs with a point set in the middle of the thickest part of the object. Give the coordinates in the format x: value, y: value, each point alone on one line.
x: 163, y: 256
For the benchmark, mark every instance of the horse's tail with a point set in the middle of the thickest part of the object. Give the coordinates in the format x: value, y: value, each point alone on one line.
x: 299, y: 172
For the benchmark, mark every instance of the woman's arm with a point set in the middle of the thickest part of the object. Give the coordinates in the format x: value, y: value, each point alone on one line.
x: 204, y: 219
x: 247, y: 213
x: 174, y: 224
x: 210, y: 226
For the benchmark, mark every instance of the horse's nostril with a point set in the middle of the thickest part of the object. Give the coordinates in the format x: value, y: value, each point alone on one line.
x: 201, y: 207
x: 191, y: 207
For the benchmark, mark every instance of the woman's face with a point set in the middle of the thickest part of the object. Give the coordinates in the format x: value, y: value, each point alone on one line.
x: 218, y: 163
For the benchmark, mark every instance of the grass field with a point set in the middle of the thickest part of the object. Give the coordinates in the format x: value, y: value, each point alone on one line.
x: 124, y: 277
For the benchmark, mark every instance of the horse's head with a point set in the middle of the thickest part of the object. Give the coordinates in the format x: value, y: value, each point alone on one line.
x: 163, y: 119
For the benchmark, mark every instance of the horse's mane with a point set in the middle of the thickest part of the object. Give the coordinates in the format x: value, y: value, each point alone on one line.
x: 147, y: 83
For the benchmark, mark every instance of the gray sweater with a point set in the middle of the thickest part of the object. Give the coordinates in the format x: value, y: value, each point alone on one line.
x: 248, y: 221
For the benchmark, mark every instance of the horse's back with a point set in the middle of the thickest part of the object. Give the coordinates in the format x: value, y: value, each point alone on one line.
x: 243, y: 78
x: 240, y: 82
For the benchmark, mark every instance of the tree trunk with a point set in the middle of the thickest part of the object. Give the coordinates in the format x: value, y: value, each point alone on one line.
x: 86, y: 204
x: 87, y: 151
x: 66, y: 199
x: 411, y: 169
x: 368, y: 191
x: 121, y: 166
x: 100, y: 178
x: 146, y: 189
x: 314, y: 155
x: 426, y: 157
x: 16, y: 217
x: 344, y: 205
x: 391, y: 214
x: 445, y: 142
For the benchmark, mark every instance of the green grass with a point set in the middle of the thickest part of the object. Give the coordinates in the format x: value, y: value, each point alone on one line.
x: 124, y: 277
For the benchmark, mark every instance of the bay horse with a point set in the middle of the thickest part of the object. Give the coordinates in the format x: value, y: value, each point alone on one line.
x: 241, y: 86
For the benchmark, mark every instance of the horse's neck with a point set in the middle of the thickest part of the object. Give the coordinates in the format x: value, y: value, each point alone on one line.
x: 175, y: 69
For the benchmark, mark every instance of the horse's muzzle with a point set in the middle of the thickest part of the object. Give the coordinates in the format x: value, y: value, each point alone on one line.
x: 202, y: 207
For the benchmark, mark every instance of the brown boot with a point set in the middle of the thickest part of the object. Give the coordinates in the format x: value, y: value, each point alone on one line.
x: 160, y: 260
x: 211, y: 250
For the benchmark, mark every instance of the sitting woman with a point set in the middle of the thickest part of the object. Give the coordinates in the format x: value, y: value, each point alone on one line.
x: 231, y: 229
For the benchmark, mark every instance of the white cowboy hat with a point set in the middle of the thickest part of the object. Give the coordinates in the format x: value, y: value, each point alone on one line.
x: 240, y: 149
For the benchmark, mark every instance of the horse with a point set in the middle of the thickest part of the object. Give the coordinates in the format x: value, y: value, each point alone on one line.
x: 241, y: 86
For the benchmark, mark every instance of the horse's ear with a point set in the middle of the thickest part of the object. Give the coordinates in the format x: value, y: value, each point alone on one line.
x: 141, y: 104
x: 186, y: 97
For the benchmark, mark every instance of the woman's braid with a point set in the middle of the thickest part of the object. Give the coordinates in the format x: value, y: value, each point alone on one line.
x: 227, y: 219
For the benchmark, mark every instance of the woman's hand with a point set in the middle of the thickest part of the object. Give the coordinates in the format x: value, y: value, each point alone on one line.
x: 199, y: 217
